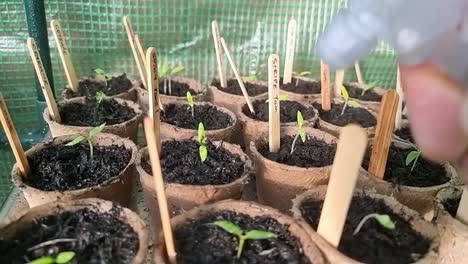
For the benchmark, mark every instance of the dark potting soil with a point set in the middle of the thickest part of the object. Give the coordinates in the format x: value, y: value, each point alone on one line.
x: 63, y: 168
x: 451, y: 205
x: 301, y: 87
x: 373, y: 243
x: 92, y: 113
x: 425, y: 174
x: 311, y: 153
x: 177, y: 88
x: 288, y: 111
x: 180, y: 162
x: 89, y: 88
x: 405, y: 133
x: 181, y: 116
x: 96, y: 238
x: 234, y: 88
x: 355, y: 92
x: 202, y: 242
x: 355, y: 115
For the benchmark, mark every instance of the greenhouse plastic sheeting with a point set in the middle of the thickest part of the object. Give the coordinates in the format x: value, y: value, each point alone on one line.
x: 181, y: 32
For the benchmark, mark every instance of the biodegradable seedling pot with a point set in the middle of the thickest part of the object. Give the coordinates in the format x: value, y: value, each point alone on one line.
x: 453, y: 233
x: 232, y: 98
x: 183, y: 196
x: 116, y: 188
x: 366, y: 117
x: 420, y: 197
x: 125, y: 129
x: 180, y: 86
x: 240, y: 213
x: 89, y: 86
x: 372, y: 99
x: 390, y: 245
x: 301, y: 88
x: 97, y: 231
x: 253, y: 126
x: 177, y: 121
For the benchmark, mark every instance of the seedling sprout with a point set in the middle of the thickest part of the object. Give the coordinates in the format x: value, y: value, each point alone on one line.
x: 368, y: 87
x: 242, y: 236
x: 88, y: 138
x: 301, y: 74
x: 282, y: 97
x: 100, y: 96
x: 62, y: 258
x: 203, y: 150
x: 101, y: 75
x: 383, y: 219
x: 348, y: 101
x: 249, y: 78
x: 412, y: 158
x: 300, y: 131
x: 166, y: 72
x: 190, y: 102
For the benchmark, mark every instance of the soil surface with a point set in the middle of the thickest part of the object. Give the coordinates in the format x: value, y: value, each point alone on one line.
x: 356, y: 92
x: 177, y: 88
x: 209, y: 115
x: 356, y: 115
x: 405, y: 134
x: 96, y: 238
x: 425, y: 174
x: 451, y: 205
x: 373, y: 244
x: 301, y: 87
x: 288, y: 111
x: 92, y: 113
x: 311, y: 153
x: 63, y: 168
x: 234, y: 88
x: 181, y: 164
x: 202, y: 242
x: 115, y: 85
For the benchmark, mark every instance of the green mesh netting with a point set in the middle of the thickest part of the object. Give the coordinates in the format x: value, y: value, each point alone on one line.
x: 181, y: 32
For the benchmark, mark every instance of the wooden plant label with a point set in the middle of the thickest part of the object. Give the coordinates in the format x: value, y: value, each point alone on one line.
x: 325, y: 83
x: 43, y: 80
x: 159, y: 187
x: 139, y: 58
x: 153, y: 93
x: 64, y: 53
x: 383, y: 134
x: 357, y: 68
x: 339, y: 77
x: 274, y: 121
x: 219, y: 53
x: 290, y: 48
x: 13, y: 139
x: 238, y: 77
x: 343, y: 177
x: 399, y: 90
x: 462, y: 212
x: 140, y: 49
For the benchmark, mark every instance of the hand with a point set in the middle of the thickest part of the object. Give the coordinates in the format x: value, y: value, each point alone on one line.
x: 438, y: 112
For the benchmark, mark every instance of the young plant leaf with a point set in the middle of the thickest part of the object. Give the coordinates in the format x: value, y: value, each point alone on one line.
x: 249, y: 78
x: 259, y: 234
x: 302, y: 134
x: 413, y: 157
x: 282, y: 97
x: 344, y: 93
x: 368, y: 87
x: 305, y: 73
x: 201, y: 133
x: 164, y: 69
x: 300, y: 119
x: 100, y: 96
x: 189, y: 99
x: 177, y: 69
x: 75, y: 141
x: 96, y: 130
x: 383, y: 219
x: 43, y: 260
x: 229, y: 227
x: 100, y: 72
x: 353, y: 104
x: 203, y: 151
x: 64, y: 257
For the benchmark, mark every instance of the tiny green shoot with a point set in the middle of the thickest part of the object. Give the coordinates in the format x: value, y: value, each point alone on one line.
x: 383, y: 219
x: 249, y: 78
x: 242, y: 236
x: 412, y: 158
x: 301, y: 74
x: 190, y: 102
x: 101, y: 75
x: 368, y: 87
x: 348, y: 101
x: 62, y: 258
x: 202, y: 150
x: 166, y: 72
x: 100, y: 96
x: 89, y: 138
x: 300, y: 131
x: 282, y: 97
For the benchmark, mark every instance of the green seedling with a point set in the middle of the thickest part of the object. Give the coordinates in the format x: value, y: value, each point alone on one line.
x: 249, y: 78
x: 62, y: 258
x: 88, y: 138
x: 282, y: 97
x: 101, y: 75
x: 368, y: 87
x: 242, y: 236
x: 100, y: 96
x: 301, y: 74
x: 383, y: 219
x: 300, y: 131
x: 190, y: 102
x: 348, y: 101
x: 202, y: 150
x: 412, y: 158
x: 166, y: 72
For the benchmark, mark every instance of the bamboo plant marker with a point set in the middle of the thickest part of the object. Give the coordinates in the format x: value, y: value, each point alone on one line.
x: 290, y: 48
x: 139, y: 59
x: 343, y: 177
x: 43, y: 80
x: 140, y: 49
x: 339, y: 77
x: 159, y: 186
x: 274, y: 122
x: 64, y: 53
x: 357, y: 68
x: 13, y: 139
x: 153, y: 93
x: 238, y: 77
x: 219, y: 53
x: 383, y: 134
x: 325, y: 86
x: 399, y: 90
x: 462, y: 212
